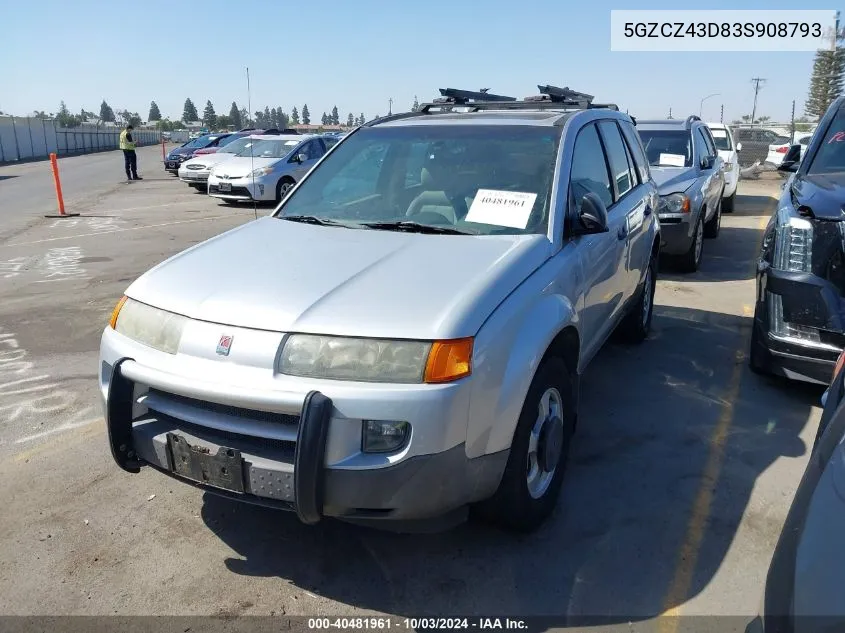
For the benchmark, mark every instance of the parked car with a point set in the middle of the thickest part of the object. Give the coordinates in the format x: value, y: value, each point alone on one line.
x: 267, y: 170
x: 394, y: 357
x: 799, y: 318
x: 233, y: 136
x: 688, y: 170
x: 195, y: 171
x: 182, y: 153
x: 803, y: 589
x: 756, y: 142
x: 729, y: 153
x: 778, y: 151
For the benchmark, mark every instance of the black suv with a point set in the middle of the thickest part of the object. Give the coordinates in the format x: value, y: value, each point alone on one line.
x: 799, y: 317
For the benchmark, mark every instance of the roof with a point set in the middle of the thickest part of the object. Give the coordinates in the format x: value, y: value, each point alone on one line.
x: 503, y: 117
x: 281, y: 137
x: 669, y: 124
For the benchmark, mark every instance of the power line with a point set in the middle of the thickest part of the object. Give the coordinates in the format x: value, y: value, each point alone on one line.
x: 756, y: 81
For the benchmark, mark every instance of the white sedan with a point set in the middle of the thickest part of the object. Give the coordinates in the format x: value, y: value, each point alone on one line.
x: 195, y: 171
x: 779, y: 150
x: 729, y: 153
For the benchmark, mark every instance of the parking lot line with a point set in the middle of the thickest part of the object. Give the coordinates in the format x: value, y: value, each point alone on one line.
x: 101, y: 233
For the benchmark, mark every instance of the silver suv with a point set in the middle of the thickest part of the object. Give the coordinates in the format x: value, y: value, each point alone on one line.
x: 403, y: 338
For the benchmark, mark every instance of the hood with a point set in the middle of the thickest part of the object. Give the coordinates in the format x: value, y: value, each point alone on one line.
x: 240, y: 166
x: 209, y: 160
x: 182, y: 151
x: 673, y: 179
x: 206, y: 150
x: 285, y: 276
x: 824, y: 194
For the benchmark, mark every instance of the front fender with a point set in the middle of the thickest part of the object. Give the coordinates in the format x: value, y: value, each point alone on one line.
x: 509, y: 348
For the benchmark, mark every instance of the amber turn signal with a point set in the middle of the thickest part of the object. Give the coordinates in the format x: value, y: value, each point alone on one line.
x: 449, y: 360
x: 116, y: 312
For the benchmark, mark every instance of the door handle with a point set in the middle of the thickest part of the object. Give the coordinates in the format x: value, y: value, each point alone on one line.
x: 622, y: 233
x: 647, y: 210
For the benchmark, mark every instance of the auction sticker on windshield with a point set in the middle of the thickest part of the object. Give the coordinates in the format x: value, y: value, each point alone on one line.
x: 502, y: 208
x: 672, y: 160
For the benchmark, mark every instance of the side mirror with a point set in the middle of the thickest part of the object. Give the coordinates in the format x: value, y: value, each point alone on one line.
x: 592, y: 216
x: 301, y: 158
x: 791, y: 160
x: 707, y: 162
x: 739, y: 147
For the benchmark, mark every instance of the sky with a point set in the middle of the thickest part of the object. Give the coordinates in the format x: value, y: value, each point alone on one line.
x: 358, y: 54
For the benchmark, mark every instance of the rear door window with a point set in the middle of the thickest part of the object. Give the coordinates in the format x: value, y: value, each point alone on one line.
x: 635, y: 146
x: 620, y: 168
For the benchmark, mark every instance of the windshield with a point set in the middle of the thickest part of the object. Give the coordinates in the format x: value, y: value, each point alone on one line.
x: 229, y: 140
x: 478, y: 179
x: 721, y: 138
x: 667, y: 148
x: 830, y: 156
x: 237, y: 146
x: 202, y: 141
x: 270, y: 149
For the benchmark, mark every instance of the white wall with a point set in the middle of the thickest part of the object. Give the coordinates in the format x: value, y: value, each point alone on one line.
x: 23, y: 138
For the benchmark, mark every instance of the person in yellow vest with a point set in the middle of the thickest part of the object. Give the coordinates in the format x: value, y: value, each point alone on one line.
x: 130, y: 161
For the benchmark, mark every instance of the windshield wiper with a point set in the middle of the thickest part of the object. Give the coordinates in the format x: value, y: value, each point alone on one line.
x: 312, y: 219
x: 414, y: 227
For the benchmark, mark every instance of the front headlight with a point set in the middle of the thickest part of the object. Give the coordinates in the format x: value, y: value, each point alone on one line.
x: 674, y: 203
x: 793, y: 246
x: 728, y: 166
x: 375, y: 360
x: 261, y: 171
x: 147, y: 325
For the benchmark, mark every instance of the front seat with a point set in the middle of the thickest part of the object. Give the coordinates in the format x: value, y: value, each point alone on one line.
x: 432, y: 201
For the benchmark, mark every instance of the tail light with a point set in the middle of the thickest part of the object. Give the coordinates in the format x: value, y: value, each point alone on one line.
x: 782, y: 150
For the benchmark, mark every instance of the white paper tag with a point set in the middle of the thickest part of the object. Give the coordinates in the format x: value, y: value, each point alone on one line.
x: 672, y: 160
x: 502, y: 208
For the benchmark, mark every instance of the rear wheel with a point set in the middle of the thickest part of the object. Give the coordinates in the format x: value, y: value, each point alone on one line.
x: 539, y: 452
x: 637, y: 323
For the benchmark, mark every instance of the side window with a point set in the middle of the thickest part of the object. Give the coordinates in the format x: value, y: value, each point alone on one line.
x: 589, y: 168
x: 329, y: 142
x: 635, y: 146
x: 616, y: 154
x: 708, y: 140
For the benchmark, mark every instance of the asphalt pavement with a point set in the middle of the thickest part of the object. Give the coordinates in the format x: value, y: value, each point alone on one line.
x: 683, y: 469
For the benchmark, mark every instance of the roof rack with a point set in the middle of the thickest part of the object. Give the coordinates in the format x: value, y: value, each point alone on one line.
x: 690, y: 120
x: 462, y: 97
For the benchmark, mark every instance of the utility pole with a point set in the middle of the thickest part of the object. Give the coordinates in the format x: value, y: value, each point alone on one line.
x: 756, y: 81
x: 792, y: 124
x: 390, y: 106
x: 722, y: 114
x: 670, y: 112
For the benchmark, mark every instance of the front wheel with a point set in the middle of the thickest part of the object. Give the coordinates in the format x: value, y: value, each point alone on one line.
x: 712, y: 227
x: 728, y: 203
x: 539, y: 452
x: 691, y: 260
x: 285, y: 185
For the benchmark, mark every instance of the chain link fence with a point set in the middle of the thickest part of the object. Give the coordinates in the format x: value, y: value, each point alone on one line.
x: 765, y: 144
x: 27, y: 138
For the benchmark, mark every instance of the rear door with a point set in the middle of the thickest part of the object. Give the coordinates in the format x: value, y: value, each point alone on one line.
x: 641, y: 219
x: 627, y: 213
x: 717, y: 177
x: 602, y: 255
x: 313, y: 151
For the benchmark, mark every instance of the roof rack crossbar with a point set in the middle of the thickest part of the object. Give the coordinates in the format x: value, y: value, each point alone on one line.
x: 453, y: 95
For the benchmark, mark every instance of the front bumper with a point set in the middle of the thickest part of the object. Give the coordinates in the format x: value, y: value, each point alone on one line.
x: 731, y: 182
x: 300, y: 449
x: 194, y: 176
x: 807, y: 302
x: 241, y: 188
x: 675, y: 233
x: 172, y: 165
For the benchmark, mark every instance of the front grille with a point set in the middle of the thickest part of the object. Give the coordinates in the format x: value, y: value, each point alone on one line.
x: 194, y: 166
x: 228, y: 410
x: 235, y: 191
x: 282, y: 449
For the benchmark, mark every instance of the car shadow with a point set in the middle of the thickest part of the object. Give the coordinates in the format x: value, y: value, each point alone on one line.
x: 651, y: 418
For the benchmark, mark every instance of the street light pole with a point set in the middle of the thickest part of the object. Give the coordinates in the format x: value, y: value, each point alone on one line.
x: 701, y: 105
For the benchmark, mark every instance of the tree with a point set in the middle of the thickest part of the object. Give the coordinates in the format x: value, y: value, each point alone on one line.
x: 763, y: 119
x: 416, y: 105
x: 235, y: 116
x: 106, y: 113
x: 155, y: 113
x: 65, y: 119
x: 324, y: 119
x: 209, y: 116
x: 349, y: 121
x: 825, y: 81
x: 294, y: 116
x: 362, y: 119
x: 282, y: 118
x: 268, y: 120
x: 803, y: 124
x: 306, y: 116
x: 259, y: 119
x: 246, y: 120
x: 335, y: 116
x: 274, y: 118
x: 189, y: 111
x: 224, y: 122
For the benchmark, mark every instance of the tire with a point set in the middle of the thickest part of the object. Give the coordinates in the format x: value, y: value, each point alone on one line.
x: 282, y: 187
x: 757, y: 364
x: 637, y: 323
x: 712, y: 226
x: 691, y: 260
x: 728, y: 203
x: 514, y: 506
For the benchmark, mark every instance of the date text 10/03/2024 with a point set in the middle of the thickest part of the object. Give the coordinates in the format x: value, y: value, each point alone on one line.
x: 416, y: 624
